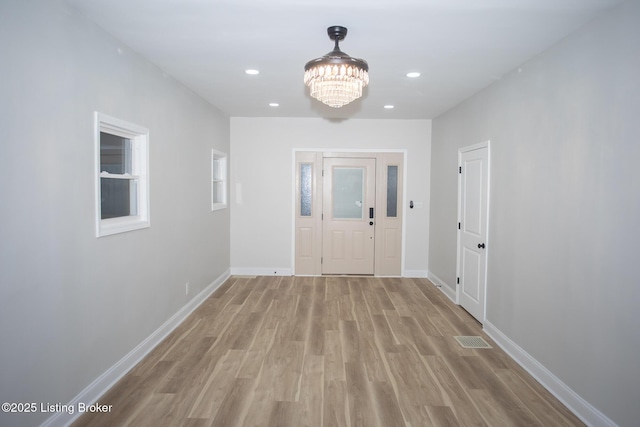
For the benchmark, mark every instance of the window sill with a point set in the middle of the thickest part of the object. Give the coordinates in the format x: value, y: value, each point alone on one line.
x: 218, y: 206
x: 107, y: 227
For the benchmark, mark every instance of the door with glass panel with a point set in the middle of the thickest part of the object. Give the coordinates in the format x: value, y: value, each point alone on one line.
x: 348, y: 216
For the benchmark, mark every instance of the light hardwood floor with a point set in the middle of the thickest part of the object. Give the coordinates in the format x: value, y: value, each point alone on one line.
x: 327, y: 351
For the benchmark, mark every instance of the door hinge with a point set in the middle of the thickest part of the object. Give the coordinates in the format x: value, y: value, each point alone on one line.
x: 321, y: 260
x: 458, y: 226
x: 459, y: 169
x: 458, y: 280
x: 322, y: 172
x: 321, y: 217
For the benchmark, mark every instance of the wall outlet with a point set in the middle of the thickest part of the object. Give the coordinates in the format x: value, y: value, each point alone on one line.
x: 186, y: 288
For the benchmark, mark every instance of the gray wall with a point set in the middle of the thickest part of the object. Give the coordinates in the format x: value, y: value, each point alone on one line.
x: 564, y: 207
x: 262, y: 168
x: 72, y: 305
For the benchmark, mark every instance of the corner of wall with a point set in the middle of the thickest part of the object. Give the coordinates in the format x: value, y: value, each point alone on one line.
x: 442, y: 285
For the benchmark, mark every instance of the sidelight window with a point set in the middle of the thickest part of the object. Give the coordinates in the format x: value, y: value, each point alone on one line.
x: 392, y: 191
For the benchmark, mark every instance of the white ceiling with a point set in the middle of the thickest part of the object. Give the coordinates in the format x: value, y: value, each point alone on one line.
x: 459, y: 46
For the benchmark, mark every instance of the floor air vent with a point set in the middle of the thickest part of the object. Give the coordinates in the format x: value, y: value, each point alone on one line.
x: 472, y: 342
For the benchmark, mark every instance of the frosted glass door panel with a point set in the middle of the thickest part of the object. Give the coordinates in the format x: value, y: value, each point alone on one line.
x: 348, y: 191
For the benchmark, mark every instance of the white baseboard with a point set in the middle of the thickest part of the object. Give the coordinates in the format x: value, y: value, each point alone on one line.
x: 580, y: 407
x: 418, y: 274
x: 261, y: 271
x: 446, y: 289
x: 104, y: 382
x: 240, y: 271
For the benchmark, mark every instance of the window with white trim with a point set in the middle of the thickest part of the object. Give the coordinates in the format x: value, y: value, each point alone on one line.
x: 122, y: 176
x: 218, y: 180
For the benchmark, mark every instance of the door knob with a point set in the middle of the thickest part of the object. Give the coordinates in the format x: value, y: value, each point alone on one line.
x: 480, y: 245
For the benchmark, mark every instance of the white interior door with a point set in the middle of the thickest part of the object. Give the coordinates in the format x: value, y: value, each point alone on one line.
x: 472, y: 248
x: 348, y: 216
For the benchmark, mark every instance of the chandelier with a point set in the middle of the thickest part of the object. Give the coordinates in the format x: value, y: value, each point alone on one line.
x: 336, y: 79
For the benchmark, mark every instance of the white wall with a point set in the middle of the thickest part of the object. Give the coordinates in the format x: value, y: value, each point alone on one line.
x: 262, y: 153
x: 565, y: 203
x: 72, y: 305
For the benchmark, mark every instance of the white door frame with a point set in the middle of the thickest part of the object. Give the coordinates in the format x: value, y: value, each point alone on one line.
x: 487, y: 145
x: 345, y: 152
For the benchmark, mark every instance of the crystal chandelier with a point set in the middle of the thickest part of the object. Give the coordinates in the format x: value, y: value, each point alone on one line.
x: 336, y: 79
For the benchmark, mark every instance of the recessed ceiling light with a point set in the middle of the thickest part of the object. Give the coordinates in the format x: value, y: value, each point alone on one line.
x: 274, y: 104
x: 389, y: 107
x: 413, y: 74
x: 252, y: 72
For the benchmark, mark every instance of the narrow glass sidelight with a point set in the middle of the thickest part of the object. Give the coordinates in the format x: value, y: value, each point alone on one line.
x: 306, y: 176
x: 392, y: 191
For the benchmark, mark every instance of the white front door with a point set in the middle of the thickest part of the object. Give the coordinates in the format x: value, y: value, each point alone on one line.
x: 348, y: 216
x: 472, y: 246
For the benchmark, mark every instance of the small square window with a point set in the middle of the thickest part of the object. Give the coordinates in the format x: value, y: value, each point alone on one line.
x: 122, y: 178
x: 218, y: 180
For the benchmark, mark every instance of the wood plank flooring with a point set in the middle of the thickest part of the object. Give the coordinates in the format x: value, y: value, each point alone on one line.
x: 327, y: 351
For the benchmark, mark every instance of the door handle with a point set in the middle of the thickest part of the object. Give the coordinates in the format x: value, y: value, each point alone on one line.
x: 480, y: 245
x: 370, y: 213
x: 370, y: 222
